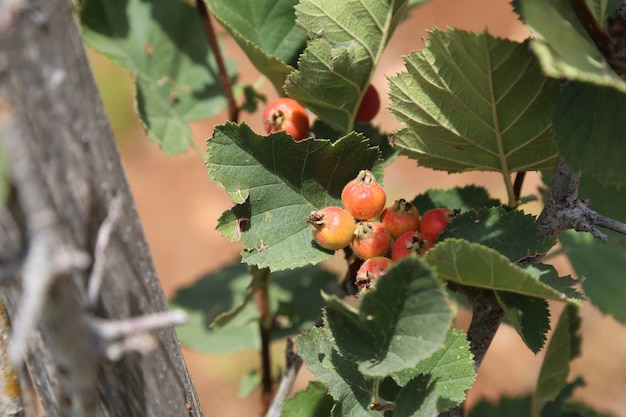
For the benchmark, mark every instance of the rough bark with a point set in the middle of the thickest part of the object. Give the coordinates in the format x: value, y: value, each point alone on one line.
x: 51, y: 111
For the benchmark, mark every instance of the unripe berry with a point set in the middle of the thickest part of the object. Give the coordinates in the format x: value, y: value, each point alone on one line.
x: 434, y: 221
x: 408, y: 243
x: 400, y: 217
x: 363, y: 197
x: 371, y: 239
x: 287, y: 114
x: 333, y: 227
x: 371, y: 270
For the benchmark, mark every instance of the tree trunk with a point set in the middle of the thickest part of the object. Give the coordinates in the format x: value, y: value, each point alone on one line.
x: 65, y: 171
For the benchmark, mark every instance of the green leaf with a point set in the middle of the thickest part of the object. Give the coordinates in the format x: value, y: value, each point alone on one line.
x: 451, y: 369
x: 556, y: 407
x: 164, y: 46
x: 213, y: 295
x: 351, y: 390
x: 474, y: 102
x: 602, y: 267
x: 577, y: 409
x: 563, y: 46
x: 592, y: 140
x: 276, y: 183
x: 530, y: 316
x: 348, y: 38
x: 472, y: 264
x: 564, y: 345
x: 249, y: 383
x: 493, y: 227
x: 464, y: 198
x: 509, y: 407
x: 313, y: 401
x: 417, y: 399
x: 266, y: 31
x: 401, y: 322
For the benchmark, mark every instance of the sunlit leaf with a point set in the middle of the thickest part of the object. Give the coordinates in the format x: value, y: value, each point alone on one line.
x: 276, y: 183
x: 472, y: 264
x: 401, y: 322
x: 470, y: 101
x: 347, y: 41
x: 164, y: 46
x: 266, y: 31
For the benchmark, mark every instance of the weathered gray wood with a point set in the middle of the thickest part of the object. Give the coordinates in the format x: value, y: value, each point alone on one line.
x: 49, y: 100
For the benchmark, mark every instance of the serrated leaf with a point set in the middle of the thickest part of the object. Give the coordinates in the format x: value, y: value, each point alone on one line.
x: 494, y: 227
x: 313, y: 401
x: 165, y: 48
x: 474, y: 102
x: 592, y: 140
x: 451, y: 369
x: 472, y: 264
x: 348, y: 38
x: 277, y: 182
x: 266, y: 31
x: 417, y: 399
x: 555, y: 368
x: 350, y: 389
x: 563, y: 46
x: 529, y: 316
x: 509, y: 407
x: 462, y: 198
x: 401, y: 322
x: 220, y: 292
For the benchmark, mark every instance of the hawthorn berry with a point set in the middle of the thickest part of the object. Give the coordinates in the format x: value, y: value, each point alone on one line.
x: 363, y: 197
x: 434, y: 221
x: 370, y: 105
x: 400, y: 217
x: 408, y: 243
x: 371, y: 270
x: 333, y: 227
x: 371, y: 239
x: 288, y: 115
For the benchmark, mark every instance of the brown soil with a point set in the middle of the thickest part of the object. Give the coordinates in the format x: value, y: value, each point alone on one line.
x: 179, y: 207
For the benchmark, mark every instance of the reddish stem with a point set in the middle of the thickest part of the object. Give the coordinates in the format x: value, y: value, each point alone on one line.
x: 233, y: 109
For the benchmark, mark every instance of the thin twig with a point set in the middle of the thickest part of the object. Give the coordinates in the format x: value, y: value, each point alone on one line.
x: 102, y: 243
x: 233, y: 109
x: 294, y: 363
x: 262, y: 278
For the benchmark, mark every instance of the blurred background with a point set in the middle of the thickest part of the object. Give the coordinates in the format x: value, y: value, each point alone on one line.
x: 179, y: 207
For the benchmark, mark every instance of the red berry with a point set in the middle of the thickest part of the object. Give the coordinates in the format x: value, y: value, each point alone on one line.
x: 434, y: 221
x: 371, y: 239
x: 333, y: 227
x: 371, y: 270
x: 288, y: 115
x: 363, y: 197
x: 408, y: 243
x: 370, y: 105
x: 400, y: 217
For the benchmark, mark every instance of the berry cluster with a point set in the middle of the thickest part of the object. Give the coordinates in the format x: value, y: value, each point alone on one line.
x: 379, y: 235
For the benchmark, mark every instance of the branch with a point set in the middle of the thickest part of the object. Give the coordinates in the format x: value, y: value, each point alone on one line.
x: 233, y: 110
x: 564, y: 210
